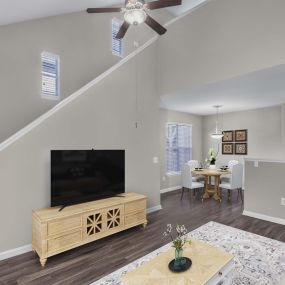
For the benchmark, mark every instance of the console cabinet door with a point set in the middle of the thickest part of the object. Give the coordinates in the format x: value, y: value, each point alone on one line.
x: 102, y: 223
x: 115, y: 218
x: 93, y: 225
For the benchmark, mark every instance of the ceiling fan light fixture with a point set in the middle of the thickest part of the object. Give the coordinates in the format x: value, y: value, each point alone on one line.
x: 135, y: 16
x: 136, y: 12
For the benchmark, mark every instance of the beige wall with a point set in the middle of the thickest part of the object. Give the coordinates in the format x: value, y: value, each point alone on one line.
x: 264, y: 133
x: 82, y: 41
x: 219, y: 44
x: 264, y: 188
x: 103, y: 117
x: 168, y: 181
x: 220, y: 40
x: 283, y: 123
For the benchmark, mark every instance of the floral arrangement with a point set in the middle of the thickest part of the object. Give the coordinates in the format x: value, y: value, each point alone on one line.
x: 212, y: 156
x: 181, y: 239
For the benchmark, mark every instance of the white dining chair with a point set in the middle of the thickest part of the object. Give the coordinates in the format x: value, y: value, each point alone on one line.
x: 231, y: 163
x: 194, y: 164
x: 187, y: 181
x: 235, y: 181
x: 226, y: 178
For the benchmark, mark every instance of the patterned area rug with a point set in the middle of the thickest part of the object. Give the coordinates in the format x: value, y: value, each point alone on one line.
x: 258, y: 260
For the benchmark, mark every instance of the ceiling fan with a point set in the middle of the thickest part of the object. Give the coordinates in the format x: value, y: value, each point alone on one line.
x: 136, y: 12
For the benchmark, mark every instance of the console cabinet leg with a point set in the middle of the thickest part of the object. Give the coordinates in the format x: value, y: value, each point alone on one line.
x: 43, y: 261
x: 144, y: 225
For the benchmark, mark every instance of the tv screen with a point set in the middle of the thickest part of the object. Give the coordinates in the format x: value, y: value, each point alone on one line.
x: 79, y: 176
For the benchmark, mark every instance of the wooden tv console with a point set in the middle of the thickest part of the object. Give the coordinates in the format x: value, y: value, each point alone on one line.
x: 55, y: 232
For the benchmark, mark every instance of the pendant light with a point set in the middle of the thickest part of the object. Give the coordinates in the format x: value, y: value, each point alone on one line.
x: 218, y: 134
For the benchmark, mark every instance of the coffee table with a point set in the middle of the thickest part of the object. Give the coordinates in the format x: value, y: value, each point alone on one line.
x: 210, y: 266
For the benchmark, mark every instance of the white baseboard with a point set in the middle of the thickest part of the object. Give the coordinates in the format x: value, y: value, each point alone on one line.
x: 264, y: 217
x: 16, y: 251
x: 170, y: 189
x: 154, y: 209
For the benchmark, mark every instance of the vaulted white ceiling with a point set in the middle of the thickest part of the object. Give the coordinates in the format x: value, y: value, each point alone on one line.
x: 186, y: 6
x: 258, y: 89
x: 13, y: 11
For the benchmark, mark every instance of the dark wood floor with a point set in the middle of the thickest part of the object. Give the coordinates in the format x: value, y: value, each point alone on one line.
x: 93, y: 261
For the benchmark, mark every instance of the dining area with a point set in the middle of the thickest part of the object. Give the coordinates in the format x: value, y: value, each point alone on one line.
x: 210, y: 180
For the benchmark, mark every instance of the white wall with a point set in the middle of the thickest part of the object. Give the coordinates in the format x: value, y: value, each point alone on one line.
x: 83, y: 42
x: 103, y: 117
x: 166, y: 116
x: 264, y: 133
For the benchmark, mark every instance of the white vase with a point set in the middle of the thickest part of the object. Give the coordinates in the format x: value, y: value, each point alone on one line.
x: 212, y: 166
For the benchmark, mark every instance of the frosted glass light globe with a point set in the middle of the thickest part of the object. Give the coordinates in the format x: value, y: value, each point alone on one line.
x: 217, y: 136
x: 135, y: 16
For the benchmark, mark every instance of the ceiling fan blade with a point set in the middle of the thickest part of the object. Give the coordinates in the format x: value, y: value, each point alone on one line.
x: 155, y: 25
x: 122, y: 30
x: 163, y: 4
x: 103, y: 10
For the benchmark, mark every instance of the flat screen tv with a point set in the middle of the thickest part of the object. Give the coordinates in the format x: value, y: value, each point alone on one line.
x: 79, y: 176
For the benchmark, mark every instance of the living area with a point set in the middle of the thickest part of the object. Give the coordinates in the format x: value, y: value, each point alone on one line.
x: 115, y: 121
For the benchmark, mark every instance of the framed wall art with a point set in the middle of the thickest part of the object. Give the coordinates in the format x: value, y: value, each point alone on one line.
x: 228, y: 148
x: 241, y: 148
x: 228, y: 136
x: 241, y: 135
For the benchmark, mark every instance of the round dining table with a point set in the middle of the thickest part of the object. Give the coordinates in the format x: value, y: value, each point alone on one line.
x: 210, y: 191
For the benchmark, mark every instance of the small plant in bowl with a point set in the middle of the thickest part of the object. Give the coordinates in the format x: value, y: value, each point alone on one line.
x: 179, y: 239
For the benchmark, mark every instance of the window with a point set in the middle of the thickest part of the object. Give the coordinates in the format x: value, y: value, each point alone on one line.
x: 178, y: 146
x: 50, y: 76
x: 117, y: 45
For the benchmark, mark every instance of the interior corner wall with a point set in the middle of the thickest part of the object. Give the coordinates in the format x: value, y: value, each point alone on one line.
x: 102, y: 118
x: 264, y: 189
x: 283, y: 123
x: 264, y: 133
x: 166, y: 116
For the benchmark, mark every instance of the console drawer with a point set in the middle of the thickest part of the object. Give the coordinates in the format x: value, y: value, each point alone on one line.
x: 135, y: 206
x: 63, y: 225
x: 64, y: 242
x: 135, y: 219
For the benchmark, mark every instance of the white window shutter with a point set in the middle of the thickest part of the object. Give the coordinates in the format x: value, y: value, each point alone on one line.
x: 172, y: 165
x: 50, y: 75
x: 117, y: 44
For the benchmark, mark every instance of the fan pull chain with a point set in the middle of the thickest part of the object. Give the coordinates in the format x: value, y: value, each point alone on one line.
x: 136, y: 45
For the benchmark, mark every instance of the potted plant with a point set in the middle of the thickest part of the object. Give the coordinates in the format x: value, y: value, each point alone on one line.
x: 212, y: 157
x: 178, y: 242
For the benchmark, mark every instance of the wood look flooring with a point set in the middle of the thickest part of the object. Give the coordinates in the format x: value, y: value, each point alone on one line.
x: 90, y: 262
